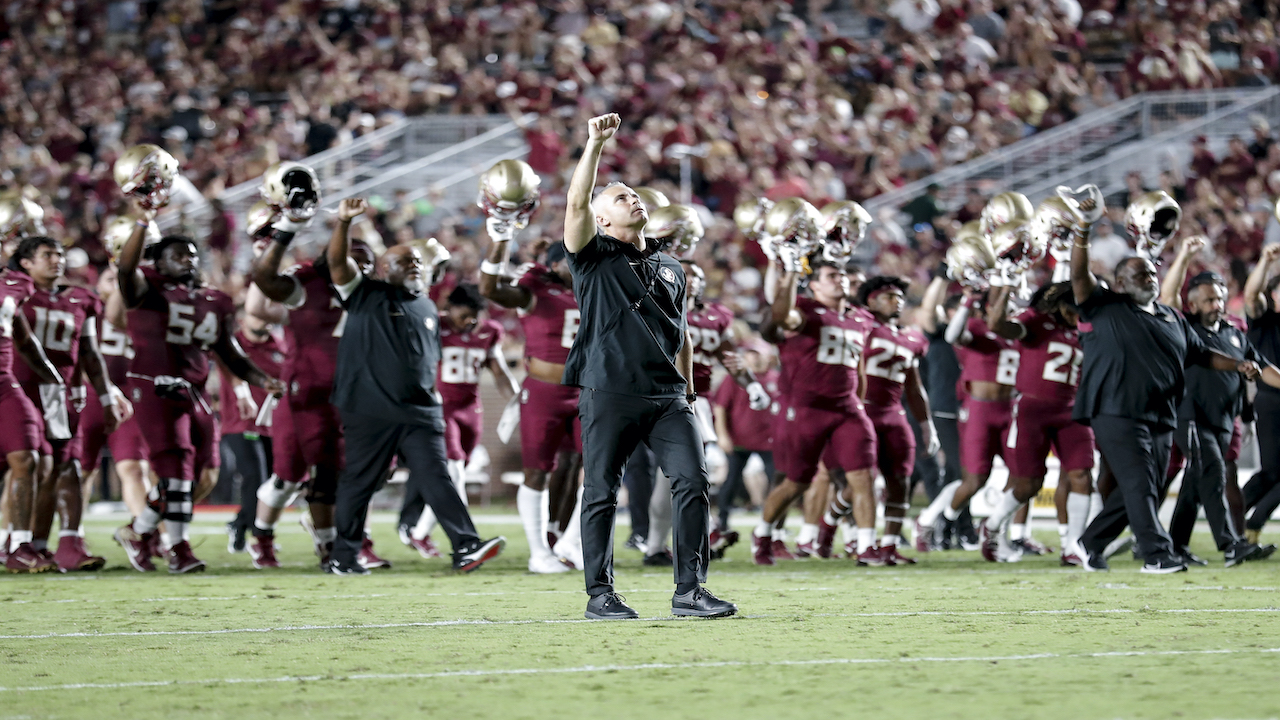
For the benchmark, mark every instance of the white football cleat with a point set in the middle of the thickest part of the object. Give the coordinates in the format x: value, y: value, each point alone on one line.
x: 547, y: 565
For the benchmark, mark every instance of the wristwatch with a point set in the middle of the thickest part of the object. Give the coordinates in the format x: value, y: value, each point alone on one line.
x: 690, y: 397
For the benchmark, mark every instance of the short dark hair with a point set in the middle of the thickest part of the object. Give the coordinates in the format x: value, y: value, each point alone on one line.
x: 1051, y: 297
x: 155, y: 251
x: 817, y: 265
x: 467, y: 295
x: 878, y: 283
x: 28, y: 248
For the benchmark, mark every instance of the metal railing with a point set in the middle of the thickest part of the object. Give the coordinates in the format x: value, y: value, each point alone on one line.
x: 1083, y: 142
x: 432, y: 154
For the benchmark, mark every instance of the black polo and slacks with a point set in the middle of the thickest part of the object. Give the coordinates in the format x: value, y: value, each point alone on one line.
x: 1262, y: 492
x: 633, y: 327
x: 385, y: 389
x: 1130, y: 385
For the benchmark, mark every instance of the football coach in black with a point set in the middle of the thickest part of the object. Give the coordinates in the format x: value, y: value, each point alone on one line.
x: 634, y: 364
x: 385, y: 389
x: 1135, y: 352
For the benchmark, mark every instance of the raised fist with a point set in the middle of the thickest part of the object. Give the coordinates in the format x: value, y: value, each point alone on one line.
x: 603, y: 127
x: 350, y: 208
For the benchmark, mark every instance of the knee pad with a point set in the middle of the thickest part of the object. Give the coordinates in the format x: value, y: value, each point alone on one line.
x: 277, y: 493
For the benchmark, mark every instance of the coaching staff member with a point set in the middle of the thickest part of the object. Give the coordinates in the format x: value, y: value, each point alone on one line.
x: 634, y: 364
x: 385, y: 390
x: 1135, y: 351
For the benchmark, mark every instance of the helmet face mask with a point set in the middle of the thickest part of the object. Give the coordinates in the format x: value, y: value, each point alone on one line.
x: 1055, y: 221
x: 435, y: 258
x: 1014, y: 244
x: 1151, y: 221
x: 794, y: 221
x: 509, y: 191
x: 844, y: 225
x: 117, y: 233
x: 292, y: 189
x: 146, y: 172
x: 679, y: 225
x: 20, y: 217
x: 970, y: 257
x: 257, y: 222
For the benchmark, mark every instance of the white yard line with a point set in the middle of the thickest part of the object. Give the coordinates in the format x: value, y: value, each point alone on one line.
x: 628, y: 668
x: 574, y: 621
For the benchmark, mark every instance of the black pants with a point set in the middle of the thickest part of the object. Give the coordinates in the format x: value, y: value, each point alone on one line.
x: 949, y: 438
x: 612, y: 426
x: 371, y: 443
x: 1262, y: 492
x: 733, y: 484
x: 1138, y: 453
x: 638, y: 477
x: 246, y: 464
x: 1203, y: 483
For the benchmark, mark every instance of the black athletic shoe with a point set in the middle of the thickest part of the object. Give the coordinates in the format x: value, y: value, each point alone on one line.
x: 1240, y: 552
x: 1093, y: 562
x: 636, y: 542
x: 337, y: 567
x: 1265, y: 551
x: 1193, y: 559
x: 661, y: 558
x: 1164, y: 566
x: 482, y: 552
x: 698, y: 602
x: 609, y: 606
x: 235, y: 537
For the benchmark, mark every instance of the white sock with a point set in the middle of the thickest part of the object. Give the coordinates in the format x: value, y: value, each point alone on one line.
x: 1064, y: 534
x: 1095, y: 507
x: 529, y: 504
x: 1079, y: 506
x: 68, y: 533
x: 573, y: 534
x: 779, y: 534
x: 326, y: 535
x: 866, y: 539
x: 930, y: 514
x: 828, y: 519
x: 1007, y: 506
x: 264, y: 525
x: 427, y: 521
x: 848, y: 532
x: 763, y: 530
x: 1018, y: 531
x: 18, y: 537
x: 808, y: 533
x: 174, y: 532
x: 891, y: 540
x: 147, y: 522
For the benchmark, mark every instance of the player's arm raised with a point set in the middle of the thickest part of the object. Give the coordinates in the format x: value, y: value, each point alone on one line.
x: 495, y: 285
x: 342, y: 269
x: 1083, y: 282
x: 1171, y: 287
x: 132, y: 283
x: 998, y: 316
x: 579, y: 219
x: 1255, y: 299
x: 783, y: 314
x: 934, y: 295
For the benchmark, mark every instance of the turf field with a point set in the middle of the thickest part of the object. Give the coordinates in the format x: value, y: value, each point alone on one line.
x: 951, y: 637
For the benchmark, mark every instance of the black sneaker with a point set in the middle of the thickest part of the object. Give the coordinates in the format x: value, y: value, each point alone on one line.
x: 1265, y: 551
x: 1092, y: 561
x: 1193, y: 559
x: 1164, y: 566
x: 659, y: 559
x: 609, y: 606
x: 337, y: 567
x: 1240, y: 552
x: 235, y: 537
x: 698, y: 602
x: 479, y: 554
x: 636, y: 542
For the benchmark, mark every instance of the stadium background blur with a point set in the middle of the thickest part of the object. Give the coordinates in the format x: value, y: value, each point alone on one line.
x: 822, y: 100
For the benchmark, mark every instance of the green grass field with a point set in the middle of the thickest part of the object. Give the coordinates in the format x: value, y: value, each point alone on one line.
x: 951, y: 637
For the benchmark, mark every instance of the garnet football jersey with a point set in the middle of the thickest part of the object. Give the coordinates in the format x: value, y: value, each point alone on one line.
x: 749, y: 429
x: 820, y: 363
x: 1049, y: 367
x: 709, y: 327
x: 117, y: 351
x: 462, y: 357
x: 552, y: 326
x: 987, y: 358
x: 175, y: 326
x: 891, y: 352
x: 316, y: 321
x: 57, y: 319
x: 268, y: 356
x: 15, y: 288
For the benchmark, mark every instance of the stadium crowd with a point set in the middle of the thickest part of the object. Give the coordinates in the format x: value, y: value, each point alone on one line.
x: 784, y: 110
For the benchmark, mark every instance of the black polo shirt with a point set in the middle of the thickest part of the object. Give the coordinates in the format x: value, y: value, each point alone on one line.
x: 633, y: 323
x: 1264, y: 333
x: 941, y: 373
x: 388, y: 354
x: 1134, y: 360
x: 1215, y: 398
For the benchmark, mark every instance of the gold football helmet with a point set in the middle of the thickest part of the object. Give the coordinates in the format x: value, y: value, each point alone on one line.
x: 1055, y: 221
x: 1151, y: 220
x: 435, y: 258
x: 509, y: 191
x: 258, y: 220
x: 118, y: 230
x: 146, y: 172
x: 679, y: 225
x: 844, y: 224
x: 794, y: 220
x: 292, y: 189
x: 1003, y: 208
x: 749, y: 216
x: 970, y: 257
x: 651, y: 198
x: 19, y: 217
x: 1016, y: 245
